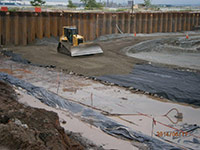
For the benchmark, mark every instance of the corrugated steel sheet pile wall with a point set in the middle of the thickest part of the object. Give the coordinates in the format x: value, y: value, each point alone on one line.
x: 22, y: 28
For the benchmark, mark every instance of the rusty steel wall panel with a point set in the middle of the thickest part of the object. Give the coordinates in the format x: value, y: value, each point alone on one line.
x: 7, y: 29
x: 128, y: 23
x: 175, y: 22
x: 16, y: 30
x: 60, y: 23
x: 38, y: 25
x: 1, y: 30
x: 161, y: 23
x: 46, y: 25
x: 22, y: 28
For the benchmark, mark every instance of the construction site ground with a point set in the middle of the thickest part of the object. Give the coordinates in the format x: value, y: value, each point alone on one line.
x: 23, y: 127
x: 137, y: 110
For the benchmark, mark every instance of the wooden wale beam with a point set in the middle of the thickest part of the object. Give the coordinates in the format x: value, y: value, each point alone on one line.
x: 22, y: 28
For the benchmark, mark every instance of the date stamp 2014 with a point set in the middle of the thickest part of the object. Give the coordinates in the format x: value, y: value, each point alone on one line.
x: 172, y: 133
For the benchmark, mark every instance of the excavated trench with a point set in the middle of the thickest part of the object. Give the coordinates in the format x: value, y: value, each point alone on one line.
x: 107, y: 125
x: 179, y: 85
x: 122, y: 113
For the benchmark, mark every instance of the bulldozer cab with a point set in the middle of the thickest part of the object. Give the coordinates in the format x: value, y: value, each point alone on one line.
x: 69, y: 32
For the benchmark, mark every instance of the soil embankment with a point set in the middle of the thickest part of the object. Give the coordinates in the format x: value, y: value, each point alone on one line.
x: 23, y: 127
x: 177, y: 51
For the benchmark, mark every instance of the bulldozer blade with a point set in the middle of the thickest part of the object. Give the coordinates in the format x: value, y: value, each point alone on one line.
x: 86, y: 49
x: 64, y: 48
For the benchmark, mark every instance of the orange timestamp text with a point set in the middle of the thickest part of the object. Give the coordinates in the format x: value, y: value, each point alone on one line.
x: 171, y: 133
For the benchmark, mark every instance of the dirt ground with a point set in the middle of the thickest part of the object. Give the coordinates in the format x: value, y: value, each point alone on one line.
x: 23, y: 127
x: 112, y: 61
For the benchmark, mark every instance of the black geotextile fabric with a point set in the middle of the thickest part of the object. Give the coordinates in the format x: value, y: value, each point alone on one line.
x: 107, y: 125
x: 175, y: 85
x: 15, y: 57
x: 18, y: 58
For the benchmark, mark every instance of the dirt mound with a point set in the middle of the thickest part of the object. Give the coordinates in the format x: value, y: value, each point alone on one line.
x: 23, y: 127
x: 175, y: 51
x: 192, y: 43
x: 47, y: 41
x: 180, y: 44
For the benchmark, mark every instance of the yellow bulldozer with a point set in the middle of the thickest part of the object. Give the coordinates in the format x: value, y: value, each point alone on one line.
x: 73, y: 44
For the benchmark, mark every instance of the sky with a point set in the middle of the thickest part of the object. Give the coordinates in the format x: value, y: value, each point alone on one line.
x: 174, y: 2
x: 188, y: 2
x: 168, y: 1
